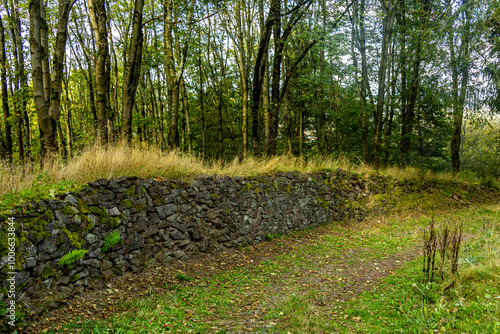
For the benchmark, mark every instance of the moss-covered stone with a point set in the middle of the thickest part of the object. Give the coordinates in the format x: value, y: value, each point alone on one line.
x: 49, y: 215
x: 98, y: 211
x: 323, y: 203
x: 82, y: 207
x: 47, y: 273
x: 130, y: 191
x: 126, y: 203
x: 68, y: 210
x: 114, y: 222
x: 139, y: 207
x: 28, y: 207
x: 4, y: 246
x: 90, y: 226
x: 3, y: 291
x: 37, y: 227
x: 74, y: 239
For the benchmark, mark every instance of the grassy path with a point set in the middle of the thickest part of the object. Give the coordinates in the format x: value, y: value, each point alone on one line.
x: 351, y: 278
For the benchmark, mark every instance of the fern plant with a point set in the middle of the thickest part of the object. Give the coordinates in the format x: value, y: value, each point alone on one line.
x: 72, y: 257
x: 111, y: 239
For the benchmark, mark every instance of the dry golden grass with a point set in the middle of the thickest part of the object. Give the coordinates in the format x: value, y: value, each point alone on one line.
x: 148, y: 161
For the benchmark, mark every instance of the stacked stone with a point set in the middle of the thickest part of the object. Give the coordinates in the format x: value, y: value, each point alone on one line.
x: 166, y: 220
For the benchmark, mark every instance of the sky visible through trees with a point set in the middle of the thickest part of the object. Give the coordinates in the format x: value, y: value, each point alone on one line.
x: 386, y: 82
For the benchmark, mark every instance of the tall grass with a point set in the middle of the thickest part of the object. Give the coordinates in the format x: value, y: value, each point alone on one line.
x: 148, y: 161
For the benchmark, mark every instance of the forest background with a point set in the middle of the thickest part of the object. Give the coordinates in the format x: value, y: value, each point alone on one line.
x: 387, y: 83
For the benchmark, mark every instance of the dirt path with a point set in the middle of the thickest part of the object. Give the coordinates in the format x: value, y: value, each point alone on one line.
x: 329, y: 280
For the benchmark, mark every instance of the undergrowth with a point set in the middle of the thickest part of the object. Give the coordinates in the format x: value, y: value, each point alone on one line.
x: 410, y: 302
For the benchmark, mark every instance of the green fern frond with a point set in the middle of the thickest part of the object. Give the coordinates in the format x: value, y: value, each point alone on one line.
x: 111, y: 239
x: 72, y: 256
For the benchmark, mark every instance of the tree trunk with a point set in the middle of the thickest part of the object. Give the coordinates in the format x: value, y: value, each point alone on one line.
x: 202, y: 110
x: 185, y: 106
x: 407, y: 126
x: 69, y: 126
x: 388, y: 22
x: 359, y: 15
x: 321, y: 117
x: 20, y: 83
x: 132, y: 71
x: 258, y: 77
x: 45, y: 123
x: 174, y: 73
x: 279, y: 44
x: 460, y: 67
x: 277, y: 92
x: 5, y: 145
x: 242, y: 59
x: 89, y: 77
x: 116, y: 109
x: 58, y: 65
x: 102, y: 82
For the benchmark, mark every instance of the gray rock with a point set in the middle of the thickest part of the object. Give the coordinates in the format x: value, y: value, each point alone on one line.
x: 48, y: 283
x: 140, y: 225
x: 178, y: 254
x: 95, y: 253
x: 50, y: 227
x: 93, y: 219
x: 82, y: 274
x: 29, y: 248
x: 165, y: 257
x: 91, y: 238
x: 106, y: 265
x: 71, y: 199
x: 22, y: 277
x: 114, y: 212
x: 180, y: 227
x: 176, y: 235
x: 65, y: 292
x: 119, y: 260
x: 166, y: 210
x: 183, y: 243
x: 62, y: 218
x: 151, y: 230
x: 63, y: 280
x: 49, y: 245
x: 55, y: 204
x: 30, y: 262
x: 92, y: 262
x: 38, y: 270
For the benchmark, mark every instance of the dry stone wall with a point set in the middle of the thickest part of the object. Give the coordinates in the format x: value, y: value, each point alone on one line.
x: 164, y: 221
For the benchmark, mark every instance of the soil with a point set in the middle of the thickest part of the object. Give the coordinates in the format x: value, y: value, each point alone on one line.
x: 356, y: 270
